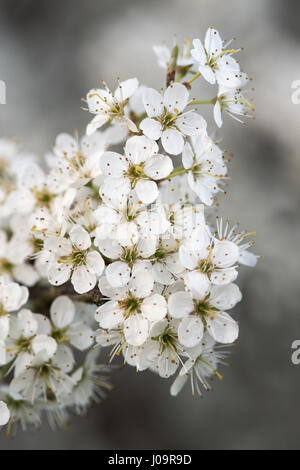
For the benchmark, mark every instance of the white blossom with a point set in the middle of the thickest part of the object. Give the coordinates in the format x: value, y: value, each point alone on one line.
x: 166, y: 119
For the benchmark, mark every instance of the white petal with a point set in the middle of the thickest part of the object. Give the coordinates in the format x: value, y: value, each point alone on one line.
x: 114, y: 192
x: 44, y: 325
x: 44, y: 344
x: 4, y: 413
x: 225, y: 297
x: 27, y: 324
x: 94, y: 262
x: 153, y: 102
x: 247, y: 258
x: 113, y: 164
x: 187, y: 156
x: 109, y: 248
x: 172, y: 141
x: 158, y: 167
x: 26, y: 274
x: 180, y: 304
x: 139, y: 149
x: 167, y: 363
x: 80, y: 237
x: 162, y: 274
x: 213, y: 42
x: 198, y: 53
x: 190, y: 331
x: 109, y: 315
x: 126, y: 89
x: 80, y: 336
x: 64, y: 358
x: 197, y: 283
x: 59, y: 273
x: 191, y: 123
x: 188, y: 258
x: 141, y: 283
x: 176, y: 98
x: 225, y: 254
x: 83, y: 279
x: 223, y: 276
x: 218, y: 114
x: 136, y: 330
x: 207, y: 73
x: 98, y: 121
x: 62, y: 311
x: 147, y: 191
x: 118, y: 273
x: 222, y: 327
x: 4, y: 327
x: 151, y: 128
x: 154, y: 308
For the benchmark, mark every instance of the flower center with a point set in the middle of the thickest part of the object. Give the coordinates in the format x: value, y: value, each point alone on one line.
x: 167, y: 119
x: 131, y: 305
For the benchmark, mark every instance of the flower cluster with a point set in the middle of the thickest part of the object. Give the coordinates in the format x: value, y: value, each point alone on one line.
x: 115, y: 244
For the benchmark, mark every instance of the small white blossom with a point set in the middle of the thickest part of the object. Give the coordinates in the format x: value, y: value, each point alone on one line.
x: 167, y: 119
x: 108, y: 106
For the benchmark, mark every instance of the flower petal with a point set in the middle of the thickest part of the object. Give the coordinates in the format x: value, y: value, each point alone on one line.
x: 83, y: 279
x: 118, y: 274
x: 154, y: 308
x: 62, y: 311
x: 136, y: 330
x: 176, y: 98
x: 158, y: 167
x: 190, y: 331
x: 172, y: 141
x: 147, y: 191
x: 109, y: 315
x: 113, y: 164
x: 180, y: 304
x: 153, y: 102
x: 151, y: 128
x: 139, y: 149
x: 222, y: 328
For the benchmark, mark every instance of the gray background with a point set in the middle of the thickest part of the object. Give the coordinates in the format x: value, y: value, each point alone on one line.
x: 51, y: 53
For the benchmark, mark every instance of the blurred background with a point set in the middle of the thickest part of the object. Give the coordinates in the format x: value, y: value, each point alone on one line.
x: 51, y: 54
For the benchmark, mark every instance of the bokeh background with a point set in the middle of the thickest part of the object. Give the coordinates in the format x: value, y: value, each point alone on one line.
x: 51, y: 53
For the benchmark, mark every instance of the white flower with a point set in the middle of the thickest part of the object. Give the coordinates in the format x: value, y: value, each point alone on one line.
x: 13, y: 256
x: 91, y: 383
x: 125, y: 219
x: 4, y: 413
x: 38, y: 379
x: 65, y: 329
x: 206, y: 166
x: 210, y: 260
x: 166, y: 119
x: 215, y: 63
x: 234, y: 103
x: 73, y: 258
x: 75, y: 161
x: 206, y: 311
x: 224, y: 233
x: 108, y: 106
x: 163, y: 54
x: 139, y: 168
x: 118, y: 272
x: 22, y: 413
x: 166, y: 348
x: 133, y: 307
x: 12, y: 297
x: 201, y: 366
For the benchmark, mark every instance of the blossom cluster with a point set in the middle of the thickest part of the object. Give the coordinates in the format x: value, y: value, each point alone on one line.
x: 111, y: 242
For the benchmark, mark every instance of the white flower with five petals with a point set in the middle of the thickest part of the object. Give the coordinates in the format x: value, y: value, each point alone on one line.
x: 166, y: 119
